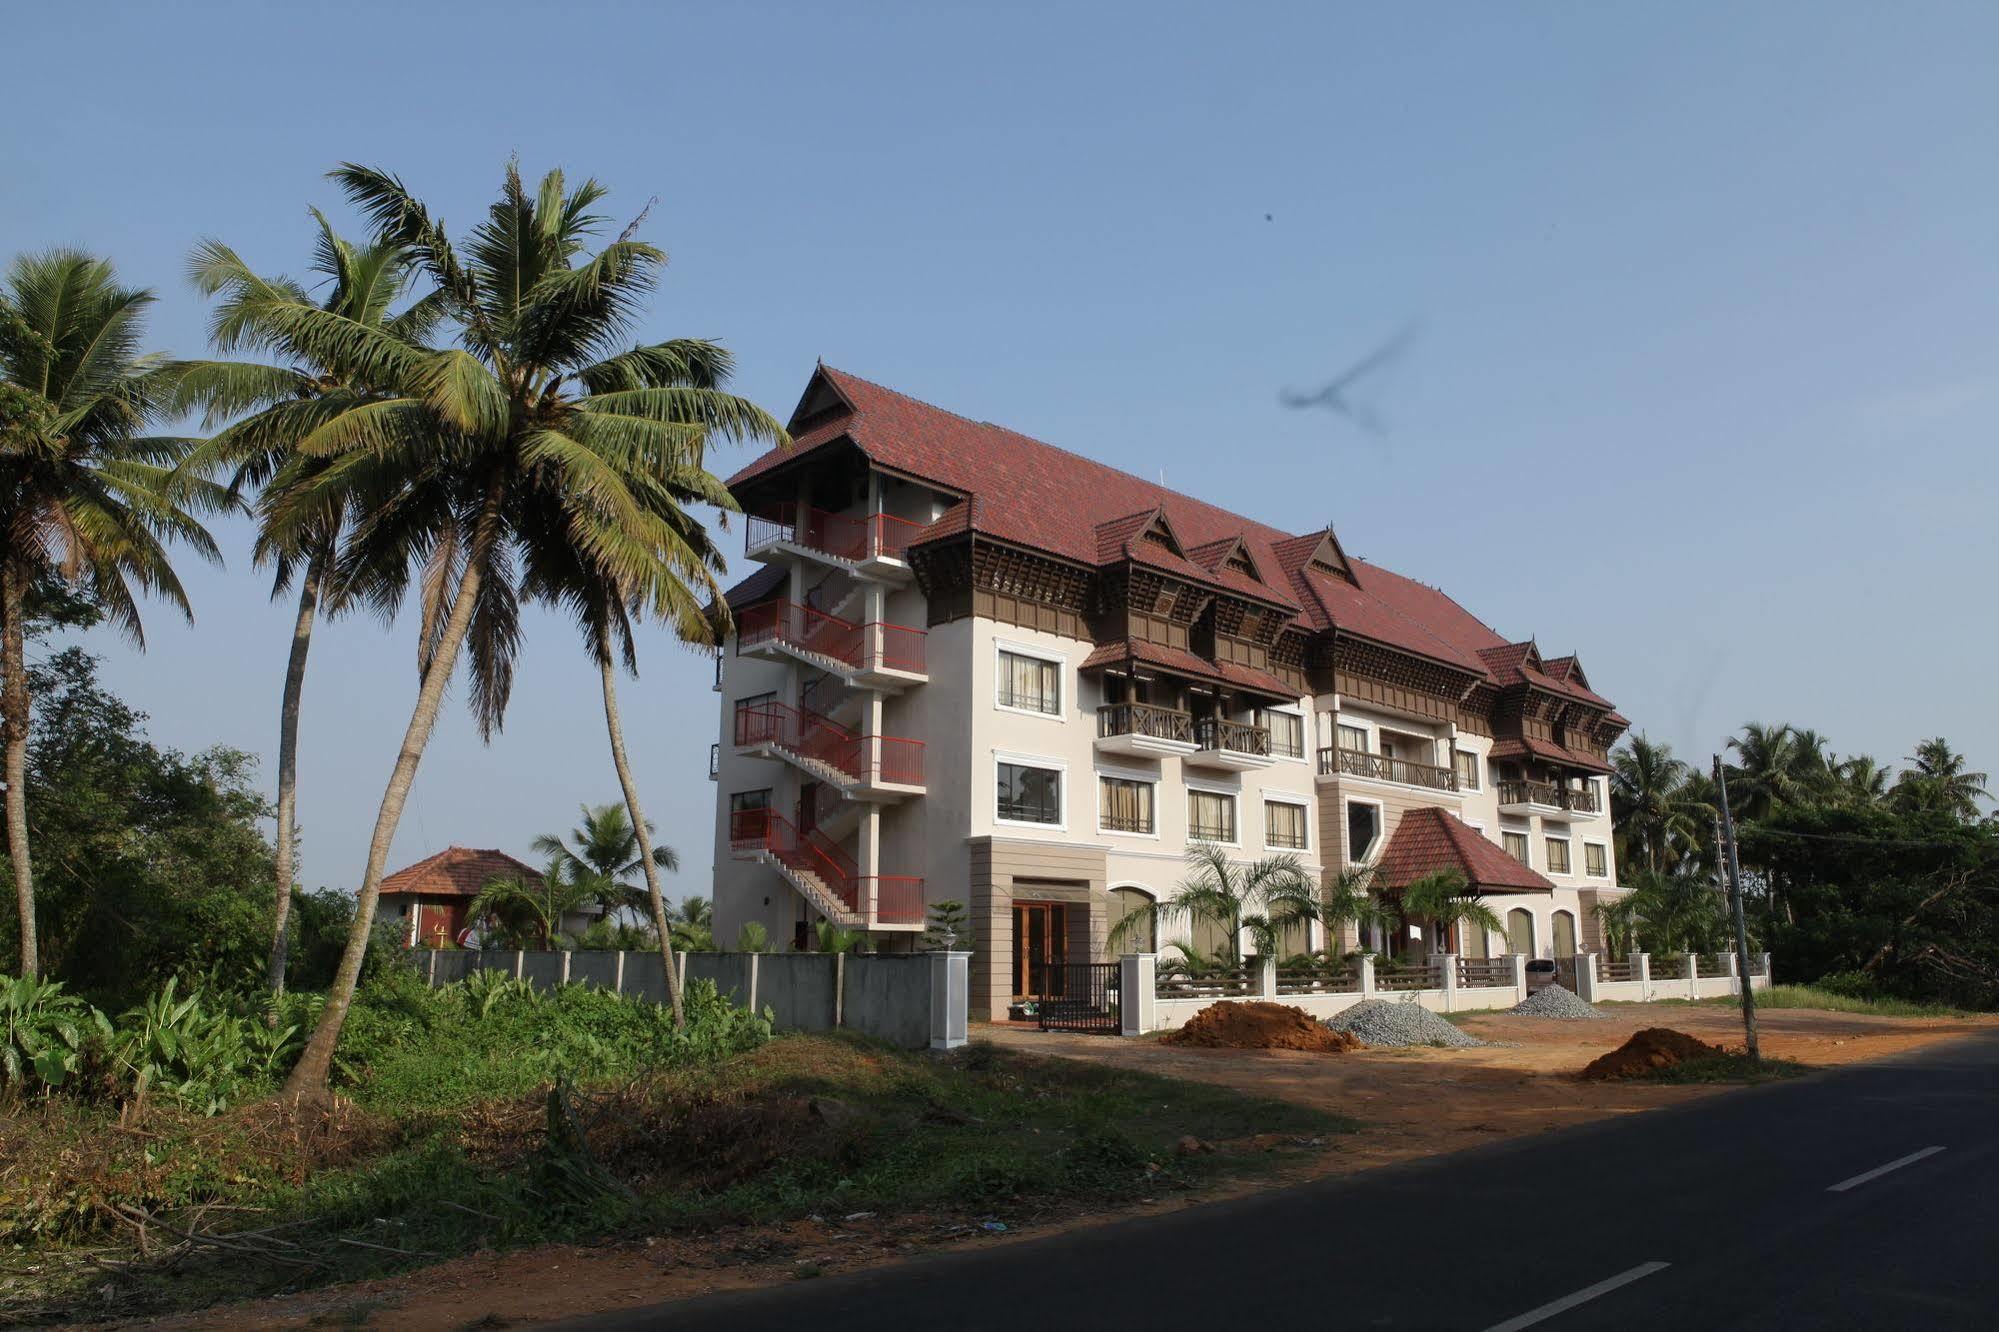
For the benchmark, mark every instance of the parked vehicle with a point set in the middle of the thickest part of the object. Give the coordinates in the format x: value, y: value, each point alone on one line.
x: 1540, y: 973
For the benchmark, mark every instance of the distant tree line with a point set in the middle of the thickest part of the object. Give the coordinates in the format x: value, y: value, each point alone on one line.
x: 1879, y: 882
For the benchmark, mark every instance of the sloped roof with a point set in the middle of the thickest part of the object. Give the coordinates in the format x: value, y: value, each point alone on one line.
x: 1429, y: 840
x: 1181, y: 662
x: 1525, y: 747
x: 1049, y: 499
x: 456, y: 871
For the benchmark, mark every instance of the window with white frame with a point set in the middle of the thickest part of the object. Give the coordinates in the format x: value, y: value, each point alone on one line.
x: 1029, y: 683
x: 1353, y: 737
x: 1283, y: 825
x: 1210, y: 816
x: 1596, y: 860
x: 1467, y: 769
x: 1287, y: 732
x: 1125, y: 804
x: 1558, y: 855
x: 1516, y: 845
x: 1029, y: 794
x: 1363, y: 830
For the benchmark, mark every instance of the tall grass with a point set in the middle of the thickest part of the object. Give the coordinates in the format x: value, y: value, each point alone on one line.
x: 1811, y: 996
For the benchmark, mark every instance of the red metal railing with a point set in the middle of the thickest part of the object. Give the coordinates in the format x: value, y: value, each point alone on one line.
x: 885, y: 757
x: 898, y: 899
x: 901, y: 647
x: 767, y: 830
x: 837, y: 534
x: 802, y: 627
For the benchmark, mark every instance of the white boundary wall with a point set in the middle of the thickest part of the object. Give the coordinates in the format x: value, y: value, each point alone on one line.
x: 1139, y: 976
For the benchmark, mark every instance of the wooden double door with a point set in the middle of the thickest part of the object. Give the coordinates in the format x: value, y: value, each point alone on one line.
x: 1040, y: 947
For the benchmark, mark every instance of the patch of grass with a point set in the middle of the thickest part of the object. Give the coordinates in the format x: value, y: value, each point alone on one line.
x: 826, y: 1124
x: 1807, y: 996
x: 1733, y: 1067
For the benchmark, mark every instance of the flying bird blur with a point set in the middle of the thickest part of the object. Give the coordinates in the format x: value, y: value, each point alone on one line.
x: 1338, y: 396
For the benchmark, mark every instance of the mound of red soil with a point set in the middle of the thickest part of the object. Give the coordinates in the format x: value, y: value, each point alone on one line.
x: 1259, y: 1026
x: 1654, y: 1047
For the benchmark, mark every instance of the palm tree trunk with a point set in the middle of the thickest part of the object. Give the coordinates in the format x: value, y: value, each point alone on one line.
x: 14, y: 722
x: 309, y: 1076
x: 308, y: 605
x: 611, y: 722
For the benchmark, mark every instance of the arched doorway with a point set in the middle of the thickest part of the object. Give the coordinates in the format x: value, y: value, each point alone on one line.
x: 1520, y: 932
x: 1141, y: 935
x: 1564, y: 923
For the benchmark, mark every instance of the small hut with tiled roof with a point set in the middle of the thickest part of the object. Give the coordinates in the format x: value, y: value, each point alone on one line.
x: 431, y: 896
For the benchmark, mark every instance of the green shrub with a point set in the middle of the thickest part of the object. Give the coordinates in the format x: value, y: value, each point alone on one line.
x: 1849, y: 985
x: 196, y: 1052
x: 46, y: 1036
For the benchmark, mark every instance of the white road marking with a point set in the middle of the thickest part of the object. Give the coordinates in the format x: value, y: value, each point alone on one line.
x: 1879, y: 1171
x: 1583, y: 1296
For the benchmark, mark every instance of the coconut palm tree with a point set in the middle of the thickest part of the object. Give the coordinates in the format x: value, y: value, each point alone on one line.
x: 1860, y: 780
x: 533, y: 431
x: 1939, y: 781
x: 605, y: 846
x: 279, y: 405
x: 1776, y: 765
x: 1445, y: 901
x: 85, y: 498
x: 1266, y: 898
x: 522, y: 908
x: 1652, y: 802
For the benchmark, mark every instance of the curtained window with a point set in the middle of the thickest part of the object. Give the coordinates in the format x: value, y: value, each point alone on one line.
x: 1284, y: 825
x: 1029, y: 683
x: 1125, y: 805
x: 1210, y: 816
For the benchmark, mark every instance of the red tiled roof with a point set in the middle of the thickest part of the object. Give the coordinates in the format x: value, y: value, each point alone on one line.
x: 756, y: 587
x: 456, y: 871
x: 1182, y: 662
x: 1049, y: 499
x: 1524, y: 747
x: 1429, y: 840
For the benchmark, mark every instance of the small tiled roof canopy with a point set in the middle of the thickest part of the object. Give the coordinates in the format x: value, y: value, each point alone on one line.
x: 456, y: 871
x: 1429, y: 840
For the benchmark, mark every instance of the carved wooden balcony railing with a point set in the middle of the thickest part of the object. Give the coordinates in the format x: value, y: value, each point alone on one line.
x: 1582, y: 800
x: 1147, y: 719
x: 1405, y: 772
x: 1236, y: 737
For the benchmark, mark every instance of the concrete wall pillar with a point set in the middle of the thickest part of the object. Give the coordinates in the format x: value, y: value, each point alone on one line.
x: 1367, y: 978
x: 1447, y: 963
x: 1519, y: 961
x: 1266, y: 977
x: 1641, y: 971
x: 1586, y: 977
x: 618, y: 974
x: 950, y: 999
x: 755, y: 959
x: 565, y: 967
x: 1138, y: 993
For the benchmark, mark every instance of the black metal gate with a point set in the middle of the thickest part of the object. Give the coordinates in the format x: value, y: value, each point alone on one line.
x: 1079, y: 996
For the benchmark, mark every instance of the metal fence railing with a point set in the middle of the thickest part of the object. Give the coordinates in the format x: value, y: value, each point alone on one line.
x: 1317, y: 980
x: 1482, y: 972
x: 1212, y: 985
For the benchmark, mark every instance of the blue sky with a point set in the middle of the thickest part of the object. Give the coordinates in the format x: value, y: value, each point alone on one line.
x: 1705, y: 384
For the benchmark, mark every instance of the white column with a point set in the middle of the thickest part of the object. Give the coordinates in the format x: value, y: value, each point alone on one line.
x: 1367, y: 978
x: 565, y: 967
x: 869, y: 862
x: 1138, y: 993
x: 1586, y: 977
x: 1519, y: 961
x: 1266, y: 978
x: 755, y: 958
x: 1449, y: 963
x: 1641, y: 971
x: 1735, y: 977
x: 950, y: 999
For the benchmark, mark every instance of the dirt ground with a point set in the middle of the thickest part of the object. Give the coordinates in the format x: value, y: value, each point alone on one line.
x: 1412, y: 1103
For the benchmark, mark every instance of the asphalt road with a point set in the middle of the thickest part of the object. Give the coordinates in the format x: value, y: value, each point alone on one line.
x: 1764, y: 1208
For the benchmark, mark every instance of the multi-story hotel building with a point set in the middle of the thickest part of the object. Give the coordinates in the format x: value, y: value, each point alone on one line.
x: 977, y: 667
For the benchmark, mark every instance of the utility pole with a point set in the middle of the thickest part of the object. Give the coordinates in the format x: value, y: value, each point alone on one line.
x: 1735, y: 903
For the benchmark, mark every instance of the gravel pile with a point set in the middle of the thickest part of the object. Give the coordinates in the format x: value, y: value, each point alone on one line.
x: 1553, y: 1001
x: 1379, y: 1023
